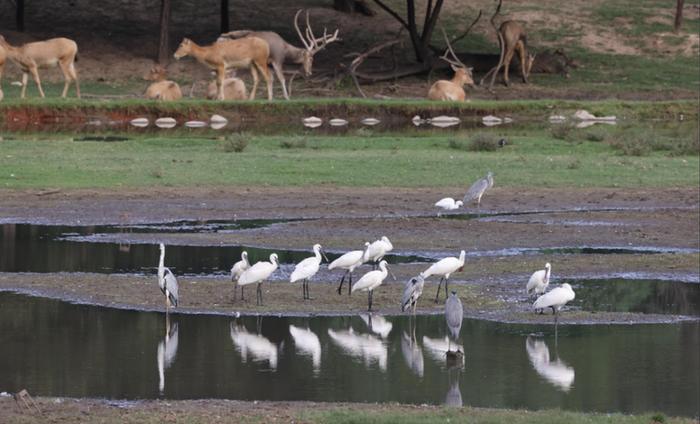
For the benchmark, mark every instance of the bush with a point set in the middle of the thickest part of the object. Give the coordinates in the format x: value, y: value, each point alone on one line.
x: 632, y: 144
x: 596, y: 134
x: 457, y: 145
x: 561, y: 131
x: 294, y: 143
x: 483, y: 142
x: 235, y: 142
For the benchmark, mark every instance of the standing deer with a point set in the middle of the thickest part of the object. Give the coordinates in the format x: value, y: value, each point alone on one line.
x: 250, y: 52
x: 452, y: 89
x: 281, y: 51
x: 512, y: 37
x: 43, y: 54
x: 161, y: 88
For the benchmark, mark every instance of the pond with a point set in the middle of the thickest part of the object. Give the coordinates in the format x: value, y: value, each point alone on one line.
x: 54, y: 348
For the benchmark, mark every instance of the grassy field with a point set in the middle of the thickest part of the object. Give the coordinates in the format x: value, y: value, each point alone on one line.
x: 557, y: 157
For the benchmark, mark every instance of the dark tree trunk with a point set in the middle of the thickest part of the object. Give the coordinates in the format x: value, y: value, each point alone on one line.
x: 164, y: 39
x: 19, y: 16
x: 224, y: 17
x: 351, y: 6
x: 679, y: 15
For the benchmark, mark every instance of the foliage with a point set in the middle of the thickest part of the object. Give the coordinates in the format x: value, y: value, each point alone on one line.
x: 236, y: 142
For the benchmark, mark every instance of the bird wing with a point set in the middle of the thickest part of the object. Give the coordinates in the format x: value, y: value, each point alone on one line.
x: 172, y: 287
x: 477, y: 188
x: 347, y: 260
x: 445, y: 203
x: 536, y: 279
x: 454, y: 312
x: 304, y: 269
x: 366, y: 281
x: 557, y: 297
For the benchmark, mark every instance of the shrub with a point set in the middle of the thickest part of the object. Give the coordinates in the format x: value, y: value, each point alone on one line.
x: 294, y: 143
x: 596, y: 134
x: 483, y: 142
x: 561, y: 131
x: 236, y: 142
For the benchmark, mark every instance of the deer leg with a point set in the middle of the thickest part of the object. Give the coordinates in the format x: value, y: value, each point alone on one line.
x: 280, y: 76
x: 25, y: 80
x: 523, y: 60
x: 220, y: 75
x: 74, y: 75
x: 66, y: 77
x: 506, y: 66
x: 35, y: 74
x: 254, y: 74
x: 268, y: 79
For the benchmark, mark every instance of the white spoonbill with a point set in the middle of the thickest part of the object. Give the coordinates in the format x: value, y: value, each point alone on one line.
x: 371, y: 281
x: 348, y: 262
x: 555, y: 299
x: 448, y: 204
x: 167, y: 282
x: 376, y: 251
x: 478, y: 189
x: 237, y: 269
x: 454, y: 313
x: 258, y: 273
x: 411, y: 292
x: 539, y: 280
x: 445, y: 267
x: 307, y: 269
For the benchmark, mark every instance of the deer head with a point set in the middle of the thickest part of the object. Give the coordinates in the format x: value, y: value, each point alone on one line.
x: 156, y: 73
x: 184, y: 48
x: 463, y: 73
x: 312, y: 44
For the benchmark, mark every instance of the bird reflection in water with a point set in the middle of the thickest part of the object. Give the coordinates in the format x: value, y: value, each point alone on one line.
x: 556, y: 372
x: 367, y: 347
x: 259, y: 347
x: 377, y: 324
x: 167, y: 350
x: 454, y: 393
x: 412, y: 353
x: 307, y: 342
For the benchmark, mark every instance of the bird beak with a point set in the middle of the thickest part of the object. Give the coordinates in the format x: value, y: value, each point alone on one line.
x: 323, y: 253
x: 391, y: 273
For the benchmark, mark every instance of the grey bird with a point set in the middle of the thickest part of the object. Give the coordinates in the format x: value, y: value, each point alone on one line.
x: 454, y: 315
x: 478, y: 189
x: 171, y: 287
x: 411, y: 293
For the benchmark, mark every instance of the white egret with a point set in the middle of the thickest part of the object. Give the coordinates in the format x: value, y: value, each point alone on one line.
x: 237, y: 269
x: 539, y: 280
x: 555, y: 299
x: 306, y: 269
x: 348, y: 262
x: 478, y: 189
x: 307, y: 342
x: 445, y: 267
x: 371, y: 281
x: 412, y: 291
x: 376, y: 251
x: 167, y: 281
x: 258, y: 273
x: 556, y: 372
x: 448, y: 204
x: 454, y: 314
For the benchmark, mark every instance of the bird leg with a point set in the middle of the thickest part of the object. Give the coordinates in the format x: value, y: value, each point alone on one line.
x: 258, y: 300
x: 446, y: 279
x: 340, y: 287
x: 242, y: 294
x: 235, y: 290
x: 350, y: 285
x: 437, y: 295
x: 369, y: 300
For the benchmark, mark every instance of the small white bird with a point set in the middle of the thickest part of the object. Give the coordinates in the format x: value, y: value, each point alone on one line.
x: 306, y: 269
x: 371, y: 281
x: 167, y: 281
x: 448, y: 204
x: 555, y: 299
x: 376, y: 251
x: 258, y: 273
x: 237, y: 269
x: 539, y: 280
x: 348, y: 262
x: 411, y: 292
x: 445, y: 267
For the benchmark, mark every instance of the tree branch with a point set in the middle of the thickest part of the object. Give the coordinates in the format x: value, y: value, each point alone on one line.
x: 388, y: 10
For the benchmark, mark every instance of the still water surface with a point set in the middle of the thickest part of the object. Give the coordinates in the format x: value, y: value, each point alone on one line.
x: 58, y: 349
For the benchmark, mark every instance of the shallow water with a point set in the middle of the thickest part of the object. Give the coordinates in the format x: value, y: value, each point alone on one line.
x: 54, y: 348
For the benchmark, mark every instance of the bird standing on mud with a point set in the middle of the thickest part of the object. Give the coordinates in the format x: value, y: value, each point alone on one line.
x: 539, y: 280
x: 376, y: 251
x: 258, y: 273
x: 167, y: 282
x: 478, y: 189
x: 307, y: 269
x: 555, y: 299
x: 371, y: 281
x: 237, y: 269
x: 412, y: 291
x: 349, y: 261
x: 445, y: 267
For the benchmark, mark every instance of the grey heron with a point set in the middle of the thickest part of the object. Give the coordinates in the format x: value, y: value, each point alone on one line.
x: 306, y: 269
x: 167, y: 281
x: 555, y: 299
x: 454, y: 315
x: 412, y: 291
x: 478, y: 189
x: 539, y: 280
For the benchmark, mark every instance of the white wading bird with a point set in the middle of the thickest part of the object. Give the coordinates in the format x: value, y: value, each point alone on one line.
x: 371, y: 281
x: 306, y: 269
x: 412, y: 291
x: 376, y: 251
x: 258, y: 273
x: 167, y: 282
x: 445, y: 267
x: 539, y: 280
x: 448, y: 204
x: 348, y: 262
x: 237, y: 269
x: 454, y: 313
x: 555, y: 299
x: 478, y: 189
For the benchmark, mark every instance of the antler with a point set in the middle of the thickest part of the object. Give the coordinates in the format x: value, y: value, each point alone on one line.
x: 311, y: 43
x: 455, y: 60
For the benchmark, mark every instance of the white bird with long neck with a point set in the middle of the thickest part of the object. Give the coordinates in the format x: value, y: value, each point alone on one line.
x: 306, y: 269
x: 167, y: 282
x: 371, y: 281
x: 237, y: 269
x: 555, y: 299
x: 445, y: 267
x: 448, y: 204
x: 376, y: 251
x: 258, y: 273
x: 539, y: 280
x: 348, y: 262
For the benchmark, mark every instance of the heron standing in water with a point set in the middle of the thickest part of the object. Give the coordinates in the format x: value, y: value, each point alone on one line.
x: 454, y: 315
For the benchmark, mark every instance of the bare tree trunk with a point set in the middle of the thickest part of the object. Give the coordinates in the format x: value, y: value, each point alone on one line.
x: 679, y: 15
x: 225, y: 27
x: 19, y: 16
x: 163, y: 40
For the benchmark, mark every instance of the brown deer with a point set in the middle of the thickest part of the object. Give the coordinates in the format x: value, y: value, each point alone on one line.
x: 43, y: 54
x: 281, y: 51
x: 161, y: 88
x: 250, y: 52
x: 234, y: 89
x: 512, y: 38
x: 453, y: 89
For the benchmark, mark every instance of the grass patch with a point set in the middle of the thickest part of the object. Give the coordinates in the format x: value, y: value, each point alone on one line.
x: 235, y: 142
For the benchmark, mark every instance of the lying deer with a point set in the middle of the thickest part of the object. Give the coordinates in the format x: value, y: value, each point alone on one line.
x: 43, y: 54
x: 250, y: 52
x: 281, y: 51
x: 512, y: 38
x: 234, y: 89
x: 452, y: 89
x: 161, y: 88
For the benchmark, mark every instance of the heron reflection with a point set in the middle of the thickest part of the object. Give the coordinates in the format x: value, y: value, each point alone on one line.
x: 167, y: 350
x: 307, y: 342
x: 412, y: 354
x: 438, y: 348
x: 367, y: 347
x: 555, y: 372
x: 377, y: 324
x: 260, y: 348
x: 454, y: 393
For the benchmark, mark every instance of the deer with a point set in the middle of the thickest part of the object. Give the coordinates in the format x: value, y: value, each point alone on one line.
x: 452, y: 89
x: 250, y: 52
x: 234, y: 88
x: 514, y: 39
x: 161, y: 88
x: 281, y: 51
x: 44, y: 54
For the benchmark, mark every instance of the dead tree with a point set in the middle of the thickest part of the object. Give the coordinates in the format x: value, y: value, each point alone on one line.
x: 679, y: 15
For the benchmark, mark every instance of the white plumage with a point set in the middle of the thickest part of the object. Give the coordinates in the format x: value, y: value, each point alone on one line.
x: 377, y: 324
x: 371, y: 281
x: 240, y: 266
x: 258, y: 273
x: 445, y: 267
x: 167, y: 350
x: 376, y: 251
x: 364, y: 346
x: 349, y: 261
x: 556, y: 372
x: 539, y: 280
x: 167, y: 281
x: 255, y: 345
x: 307, y: 342
x: 448, y: 204
x: 306, y: 269
x: 555, y: 299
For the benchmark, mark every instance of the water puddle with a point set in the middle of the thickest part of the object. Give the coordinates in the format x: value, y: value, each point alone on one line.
x: 345, y: 359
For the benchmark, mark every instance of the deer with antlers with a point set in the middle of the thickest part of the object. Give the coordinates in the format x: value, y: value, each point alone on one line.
x: 281, y: 51
x: 44, y: 54
x: 452, y: 89
x: 250, y: 52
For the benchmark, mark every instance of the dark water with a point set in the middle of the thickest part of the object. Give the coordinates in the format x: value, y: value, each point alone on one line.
x: 58, y: 349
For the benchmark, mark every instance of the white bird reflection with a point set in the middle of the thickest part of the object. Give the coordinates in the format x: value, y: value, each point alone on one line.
x: 167, y: 350
x: 377, y: 324
x: 307, y: 342
x: 259, y: 347
x: 365, y: 346
x: 437, y: 348
x: 555, y: 372
x: 412, y: 354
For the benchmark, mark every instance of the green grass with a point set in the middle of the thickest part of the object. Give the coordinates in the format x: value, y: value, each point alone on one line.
x: 532, y: 158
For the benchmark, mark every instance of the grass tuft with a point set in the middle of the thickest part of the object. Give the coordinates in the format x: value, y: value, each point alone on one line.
x: 236, y: 142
